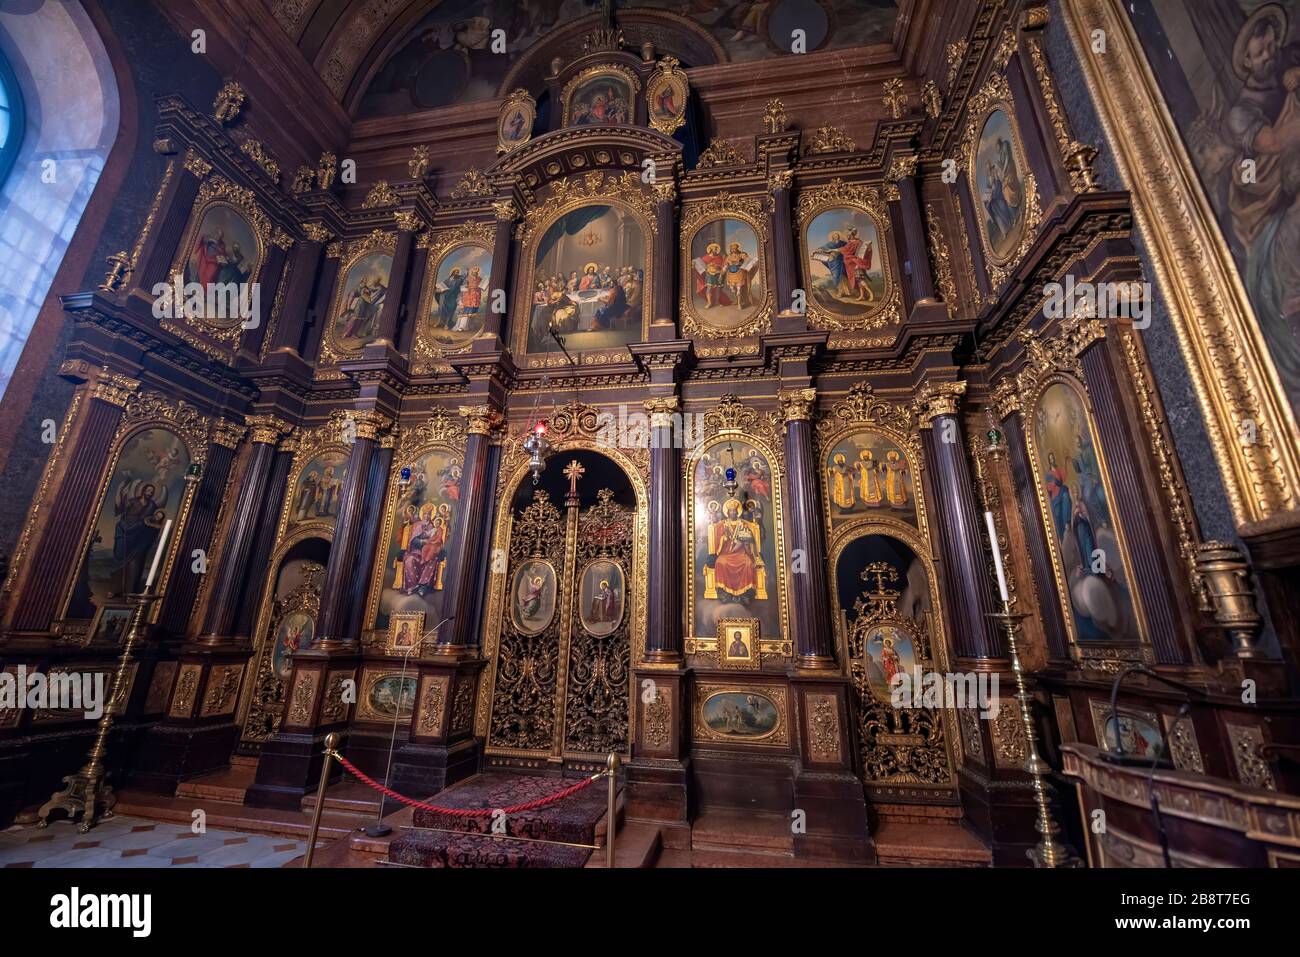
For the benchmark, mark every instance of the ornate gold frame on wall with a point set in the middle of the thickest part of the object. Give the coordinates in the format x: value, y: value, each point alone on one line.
x: 606, y: 69
x: 590, y: 189
x: 519, y: 98
x: 1217, y: 330
x: 306, y: 445
x: 778, y: 737
x: 730, y: 419
x: 668, y: 71
x: 425, y: 352
x: 577, y: 426
x: 440, y: 432
x: 867, y: 199
x: 217, y: 191
x: 1029, y: 414
x: 993, y: 96
x: 349, y: 254
x: 143, y: 411
x: 694, y: 217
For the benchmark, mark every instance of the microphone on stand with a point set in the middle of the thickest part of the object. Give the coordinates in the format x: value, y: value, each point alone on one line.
x: 379, y: 828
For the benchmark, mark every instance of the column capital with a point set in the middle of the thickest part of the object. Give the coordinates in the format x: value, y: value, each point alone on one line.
x: 408, y: 221
x: 317, y: 233
x: 1006, y: 398
x: 936, y: 399
x: 483, y: 419
x: 369, y: 423
x: 267, y: 429
x: 196, y: 165
x: 665, y: 191
x: 661, y: 410
x: 779, y: 180
x: 901, y: 167
x: 227, y: 434
x: 506, y: 210
x: 114, y: 389
x: 797, y: 404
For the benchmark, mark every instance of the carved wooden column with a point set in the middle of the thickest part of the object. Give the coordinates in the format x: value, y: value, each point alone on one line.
x: 490, y: 338
x: 300, y: 283
x: 785, y: 269
x: 663, y: 325
x: 968, y: 591
x: 332, y: 630
x: 175, y: 201
x: 663, y: 575
x: 233, y: 565
x: 906, y: 206
x: 408, y: 224
x: 805, y: 537
x: 478, y: 482
x: 74, y: 472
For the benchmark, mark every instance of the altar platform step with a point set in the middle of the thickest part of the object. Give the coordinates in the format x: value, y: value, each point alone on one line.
x: 751, y: 833
x: 235, y: 816
x: 909, y: 844
x: 551, y: 836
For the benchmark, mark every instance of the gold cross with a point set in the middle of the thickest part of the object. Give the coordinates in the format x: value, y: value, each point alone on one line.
x: 878, y: 571
x: 574, y: 471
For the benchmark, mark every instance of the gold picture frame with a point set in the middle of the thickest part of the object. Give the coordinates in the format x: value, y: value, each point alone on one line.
x: 666, y: 94
x: 739, y: 643
x: 622, y: 73
x: 115, y: 619
x: 1218, y: 333
x: 515, y: 121
x: 405, y: 631
x: 751, y: 211
x: 867, y: 200
x: 426, y: 351
x: 350, y: 254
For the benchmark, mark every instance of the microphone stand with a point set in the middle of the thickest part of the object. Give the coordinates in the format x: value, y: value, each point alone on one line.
x: 379, y: 828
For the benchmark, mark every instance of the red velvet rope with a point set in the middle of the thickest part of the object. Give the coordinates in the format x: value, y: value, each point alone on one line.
x: 460, y: 811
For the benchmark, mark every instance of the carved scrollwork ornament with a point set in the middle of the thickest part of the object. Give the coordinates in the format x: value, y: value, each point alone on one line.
x: 303, y: 180
x: 264, y: 160
x: 408, y: 221
x: 830, y: 139
x: 114, y: 389
x: 381, y: 194
x: 661, y: 410
x: 326, y: 169
x: 902, y: 166
x: 417, y: 167
x: 781, y: 179
x: 472, y: 184
x: 228, y: 103
x: 505, y: 210
x: 932, y: 98
x: 774, y: 118
x: 196, y: 165
x: 317, y: 233
x: 719, y: 152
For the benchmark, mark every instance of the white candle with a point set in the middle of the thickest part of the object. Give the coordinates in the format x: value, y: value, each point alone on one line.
x: 158, y: 554
x: 997, y: 555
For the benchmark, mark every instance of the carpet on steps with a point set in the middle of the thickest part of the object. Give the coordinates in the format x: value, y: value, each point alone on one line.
x: 462, y: 841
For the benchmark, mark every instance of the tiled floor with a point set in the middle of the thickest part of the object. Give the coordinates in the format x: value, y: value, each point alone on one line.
x: 134, y: 842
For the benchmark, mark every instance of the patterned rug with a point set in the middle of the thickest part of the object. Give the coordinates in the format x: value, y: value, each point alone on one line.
x: 460, y: 841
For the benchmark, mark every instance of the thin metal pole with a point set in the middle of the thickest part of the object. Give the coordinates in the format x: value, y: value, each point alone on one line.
x: 331, y: 748
x: 611, y: 825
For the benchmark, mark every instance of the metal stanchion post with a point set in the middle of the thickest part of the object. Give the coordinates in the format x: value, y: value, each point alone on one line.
x: 331, y: 749
x: 611, y: 823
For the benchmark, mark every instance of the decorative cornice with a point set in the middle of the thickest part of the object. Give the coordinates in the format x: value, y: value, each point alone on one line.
x: 381, y: 194
x: 937, y: 399
x: 227, y: 434
x: 797, y: 405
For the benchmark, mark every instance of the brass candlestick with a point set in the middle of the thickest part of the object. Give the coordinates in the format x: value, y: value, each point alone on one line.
x: 1051, y: 851
x: 86, y: 792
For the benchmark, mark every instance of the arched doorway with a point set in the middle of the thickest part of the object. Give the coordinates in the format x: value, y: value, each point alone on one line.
x: 567, y: 597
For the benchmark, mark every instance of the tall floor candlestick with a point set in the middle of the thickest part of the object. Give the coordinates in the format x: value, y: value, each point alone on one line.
x: 1050, y: 852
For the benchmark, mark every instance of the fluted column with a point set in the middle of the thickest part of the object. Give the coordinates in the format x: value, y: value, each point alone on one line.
x: 56, y: 553
x: 663, y: 577
x: 332, y: 621
x: 805, y: 537
x: 470, y: 537
x: 301, y: 282
x: 175, y: 205
x: 663, y: 325
x: 408, y: 224
x: 902, y: 172
x: 506, y: 212
x: 232, y: 570
x: 968, y: 590
x: 785, y: 271
x: 183, y: 586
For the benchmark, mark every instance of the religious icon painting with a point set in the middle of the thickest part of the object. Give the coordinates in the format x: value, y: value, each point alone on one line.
x: 458, y: 299
x: 423, y: 511
x: 515, y: 123
x: 601, y: 597
x: 998, y: 180
x: 225, y: 247
x: 405, y: 629
x: 848, y: 270
x: 887, y: 653
x: 740, y: 714
x: 386, y: 696
x: 738, y: 643
x: 533, y: 596
x: 319, y: 487
x: 589, y: 281
x: 733, y: 540
x: 1086, y: 542
x: 294, y: 632
x: 1138, y: 731
x: 146, y: 487
x: 868, y: 475
x: 359, y: 299
x: 110, y: 624
x: 666, y: 92
x: 725, y: 291
x: 602, y: 96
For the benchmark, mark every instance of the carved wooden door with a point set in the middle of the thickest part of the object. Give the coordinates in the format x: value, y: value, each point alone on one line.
x: 563, y: 658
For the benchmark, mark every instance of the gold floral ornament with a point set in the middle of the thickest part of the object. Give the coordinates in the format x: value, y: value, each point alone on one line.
x: 774, y: 118
x: 381, y: 194
x: 230, y: 100
x: 831, y: 139
x: 931, y: 99
x: 472, y: 184
x: 326, y: 169
x: 418, y: 165
x: 303, y: 180
x: 895, y: 99
x: 258, y: 154
x: 719, y: 153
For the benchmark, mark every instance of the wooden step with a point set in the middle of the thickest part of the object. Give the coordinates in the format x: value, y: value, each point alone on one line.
x: 222, y: 814
x: 227, y: 785
x: 635, y: 845
x: 746, y: 832
x: 929, y: 845
x: 347, y: 795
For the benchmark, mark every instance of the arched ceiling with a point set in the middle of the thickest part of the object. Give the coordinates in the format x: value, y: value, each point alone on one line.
x: 386, y: 57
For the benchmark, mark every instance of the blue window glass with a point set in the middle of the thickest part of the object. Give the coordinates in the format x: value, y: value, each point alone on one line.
x: 11, y: 118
